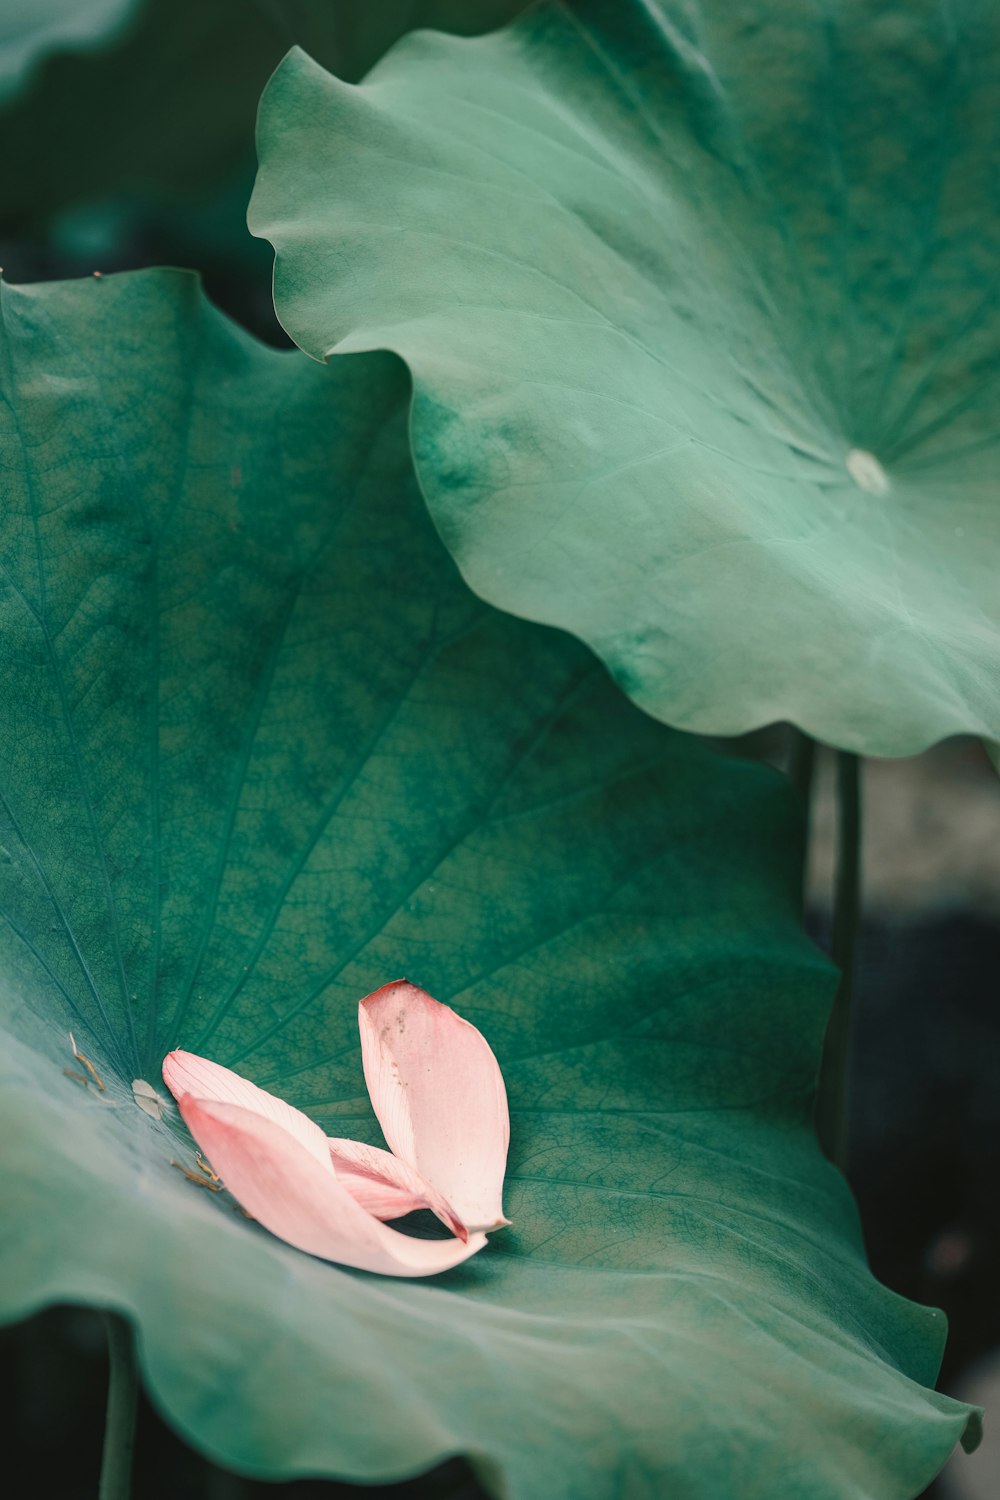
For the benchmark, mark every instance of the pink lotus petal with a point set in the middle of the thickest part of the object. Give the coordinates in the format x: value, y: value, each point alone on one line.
x: 386, y: 1186
x: 278, y: 1180
x: 184, y: 1073
x: 439, y: 1096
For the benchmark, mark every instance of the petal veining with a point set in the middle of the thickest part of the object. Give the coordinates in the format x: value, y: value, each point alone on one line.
x: 386, y: 1186
x: 437, y: 1090
x: 185, y: 1073
x: 279, y: 1181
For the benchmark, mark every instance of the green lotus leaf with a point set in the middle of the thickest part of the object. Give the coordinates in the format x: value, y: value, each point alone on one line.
x: 32, y: 29
x: 262, y: 750
x: 166, y: 108
x: 700, y: 306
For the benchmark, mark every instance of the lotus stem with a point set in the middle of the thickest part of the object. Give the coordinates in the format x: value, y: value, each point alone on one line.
x: 801, y: 766
x: 833, y: 1104
x: 119, y: 1425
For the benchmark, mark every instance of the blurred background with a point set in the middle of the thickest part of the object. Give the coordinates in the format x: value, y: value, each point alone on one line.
x: 925, y: 1122
x: 129, y: 142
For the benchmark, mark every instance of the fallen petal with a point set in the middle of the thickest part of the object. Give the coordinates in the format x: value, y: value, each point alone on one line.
x: 378, y: 1181
x: 439, y: 1096
x: 277, y: 1180
x: 386, y: 1186
x: 185, y: 1073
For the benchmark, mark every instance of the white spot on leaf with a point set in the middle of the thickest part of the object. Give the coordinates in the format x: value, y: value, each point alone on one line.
x: 148, y: 1100
x: 866, y: 471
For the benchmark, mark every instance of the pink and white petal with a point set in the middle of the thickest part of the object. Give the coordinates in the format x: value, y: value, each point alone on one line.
x: 375, y: 1196
x: 386, y: 1186
x: 437, y: 1090
x: 279, y: 1182
x: 185, y: 1073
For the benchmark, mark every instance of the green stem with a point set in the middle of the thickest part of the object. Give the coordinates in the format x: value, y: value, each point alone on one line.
x: 801, y: 765
x: 222, y: 1485
x: 801, y: 761
x: 833, y: 1103
x: 119, y: 1424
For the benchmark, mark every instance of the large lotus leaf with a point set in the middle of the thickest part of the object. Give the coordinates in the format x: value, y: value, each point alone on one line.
x: 168, y: 108
x: 262, y: 750
x: 700, y: 306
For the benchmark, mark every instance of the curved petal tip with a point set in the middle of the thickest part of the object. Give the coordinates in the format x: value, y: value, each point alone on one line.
x: 437, y: 1090
x: 278, y: 1181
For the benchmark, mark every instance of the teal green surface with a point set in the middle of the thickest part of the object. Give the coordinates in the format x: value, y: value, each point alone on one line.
x: 261, y: 750
x: 700, y: 306
x: 30, y: 30
x: 166, y: 108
